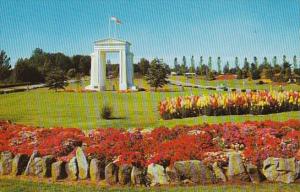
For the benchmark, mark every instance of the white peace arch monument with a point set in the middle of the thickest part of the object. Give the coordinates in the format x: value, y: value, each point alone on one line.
x: 98, y: 64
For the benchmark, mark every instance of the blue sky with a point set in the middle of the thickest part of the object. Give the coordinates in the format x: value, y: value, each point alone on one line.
x: 156, y: 28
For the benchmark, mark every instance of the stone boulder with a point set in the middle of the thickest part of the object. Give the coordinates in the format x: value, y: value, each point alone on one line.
x: 254, y: 173
x: 72, y: 169
x: 58, y: 170
x: 157, y: 175
x: 37, y: 166
x: 195, y: 171
x: 111, y: 173
x: 46, y: 164
x: 97, y: 169
x: 219, y: 173
x: 124, y: 174
x: 30, y: 168
x: 280, y: 169
x: 83, y: 165
x: 298, y: 169
x: 6, y: 160
x: 172, y: 175
x: 19, y: 164
x: 138, y: 176
x: 41, y: 166
x: 236, y: 170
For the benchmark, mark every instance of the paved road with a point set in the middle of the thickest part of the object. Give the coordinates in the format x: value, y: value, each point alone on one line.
x: 26, y: 87
x: 185, y: 84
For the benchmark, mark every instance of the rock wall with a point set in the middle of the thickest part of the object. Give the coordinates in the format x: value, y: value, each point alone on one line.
x: 182, y: 172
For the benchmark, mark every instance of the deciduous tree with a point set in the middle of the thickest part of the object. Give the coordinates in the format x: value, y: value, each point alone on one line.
x: 157, y: 74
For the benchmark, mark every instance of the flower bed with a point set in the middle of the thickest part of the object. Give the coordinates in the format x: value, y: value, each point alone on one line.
x: 256, y: 140
x: 257, y: 103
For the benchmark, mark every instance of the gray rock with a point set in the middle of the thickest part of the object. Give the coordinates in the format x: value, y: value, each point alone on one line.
x: 38, y: 167
x: 157, y: 175
x: 194, y: 171
x: 58, y: 170
x: 124, y: 174
x: 41, y: 166
x: 280, y: 169
x: 19, y: 164
x: 95, y: 170
x: 83, y: 165
x: 219, y: 173
x: 138, y: 176
x: 30, y: 166
x: 254, y: 173
x: 298, y: 169
x: 236, y: 170
x: 172, y: 175
x: 6, y: 163
x: 46, y: 164
x: 111, y: 174
x: 72, y: 169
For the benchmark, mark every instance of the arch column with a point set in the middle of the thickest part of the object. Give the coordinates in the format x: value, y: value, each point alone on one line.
x: 94, y: 71
x: 102, y: 69
x: 129, y: 68
x: 122, y: 70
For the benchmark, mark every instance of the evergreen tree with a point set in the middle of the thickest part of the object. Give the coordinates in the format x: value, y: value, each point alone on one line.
x: 284, y: 59
x: 219, y: 65
x: 157, y: 74
x: 274, y: 62
x: 184, y: 61
x: 226, y: 68
x: 201, y: 61
x: 183, y: 68
x: 246, y: 68
x: 56, y: 79
x: 236, y: 63
x: 192, y: 68
x: 176, y: 66
x: 255, y: 74
x: 295, y: 63
x: 265, y: 61
x: 239, y: 74
x: 255, y: 61
x: 209, y: 63
x: 5, y: 66
x: 286, y: 72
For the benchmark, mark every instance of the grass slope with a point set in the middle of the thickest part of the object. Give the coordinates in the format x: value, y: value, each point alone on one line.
x: 14, y: 185
x: 237, y: 83
x: 46, y: 108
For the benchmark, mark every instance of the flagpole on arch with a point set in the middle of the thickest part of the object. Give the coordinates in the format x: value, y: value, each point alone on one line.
x: 115, y: 30
x: 109, y: 27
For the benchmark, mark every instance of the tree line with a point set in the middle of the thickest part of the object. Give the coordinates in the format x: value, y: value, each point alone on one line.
x: 281, y: 71
x: 40, y: 65
x: 51, y: 67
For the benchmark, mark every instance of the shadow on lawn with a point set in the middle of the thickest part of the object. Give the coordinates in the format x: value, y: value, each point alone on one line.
x: 117, y: 118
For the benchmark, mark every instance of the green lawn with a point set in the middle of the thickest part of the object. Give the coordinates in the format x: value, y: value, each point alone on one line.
x: 14, y: 185
x: 237, y: 83
x: 46, y: 108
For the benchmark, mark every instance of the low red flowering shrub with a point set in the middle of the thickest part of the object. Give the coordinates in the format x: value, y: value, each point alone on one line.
x: 207, y: 142
x: 24, y: 139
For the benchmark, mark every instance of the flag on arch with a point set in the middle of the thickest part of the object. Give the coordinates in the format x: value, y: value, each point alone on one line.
x: 115, y: 19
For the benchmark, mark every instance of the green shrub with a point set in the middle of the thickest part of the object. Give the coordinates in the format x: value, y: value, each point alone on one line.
x: 106, y: 112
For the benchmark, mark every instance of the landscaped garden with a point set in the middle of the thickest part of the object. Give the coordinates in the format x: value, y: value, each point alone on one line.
x: 256, y: 151
x: 236, y: 103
